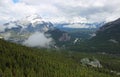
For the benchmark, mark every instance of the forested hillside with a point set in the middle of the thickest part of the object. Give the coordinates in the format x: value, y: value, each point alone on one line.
x: 105, y: 40
x: 20, y: 61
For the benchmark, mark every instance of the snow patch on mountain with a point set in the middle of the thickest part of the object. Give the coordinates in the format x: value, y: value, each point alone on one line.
x: 113, y: 41
x: 93, y: 35
x: 76, y: 40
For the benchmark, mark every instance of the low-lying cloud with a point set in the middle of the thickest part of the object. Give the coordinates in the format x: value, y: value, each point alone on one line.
x: 7, y: 36
x: 38, y: 40
x: 2, y: 28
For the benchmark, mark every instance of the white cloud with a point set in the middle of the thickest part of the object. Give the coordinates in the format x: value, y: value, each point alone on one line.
x: 76, y: 26
x: 2, y: 28
x: 10, y: 10
x: 92, y: 10
x: 7, y: 36
x: 38, y: 40
x: 11, y: 25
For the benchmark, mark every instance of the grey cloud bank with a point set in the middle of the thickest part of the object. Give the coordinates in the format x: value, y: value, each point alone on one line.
x: 92, y: 10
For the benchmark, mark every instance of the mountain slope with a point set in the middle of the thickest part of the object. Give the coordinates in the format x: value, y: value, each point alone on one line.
x: 20, y: 31
x: 20, y: 61
x: 108, y: 37
x: 106, y: 40
x: 29, y: 24
x: 109, y: 31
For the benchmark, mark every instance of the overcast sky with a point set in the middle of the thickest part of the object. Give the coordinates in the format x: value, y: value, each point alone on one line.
x: 61, y: 10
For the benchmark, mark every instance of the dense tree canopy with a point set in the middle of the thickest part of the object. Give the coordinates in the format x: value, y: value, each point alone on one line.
x: 21, y: 61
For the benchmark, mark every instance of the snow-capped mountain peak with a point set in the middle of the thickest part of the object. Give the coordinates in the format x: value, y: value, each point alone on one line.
x: 34, y: 19
x: 30, y: 23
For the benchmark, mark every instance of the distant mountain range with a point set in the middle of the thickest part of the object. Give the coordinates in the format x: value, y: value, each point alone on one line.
x: 20, y: 30
x: 69, y: 26
x: 29, y: 24
x: 63, y: 34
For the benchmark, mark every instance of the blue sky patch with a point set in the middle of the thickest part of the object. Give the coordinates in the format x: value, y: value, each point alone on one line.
x: 15, y: 1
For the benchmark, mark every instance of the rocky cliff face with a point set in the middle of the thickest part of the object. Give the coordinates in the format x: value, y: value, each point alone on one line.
x: 64, y: 37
